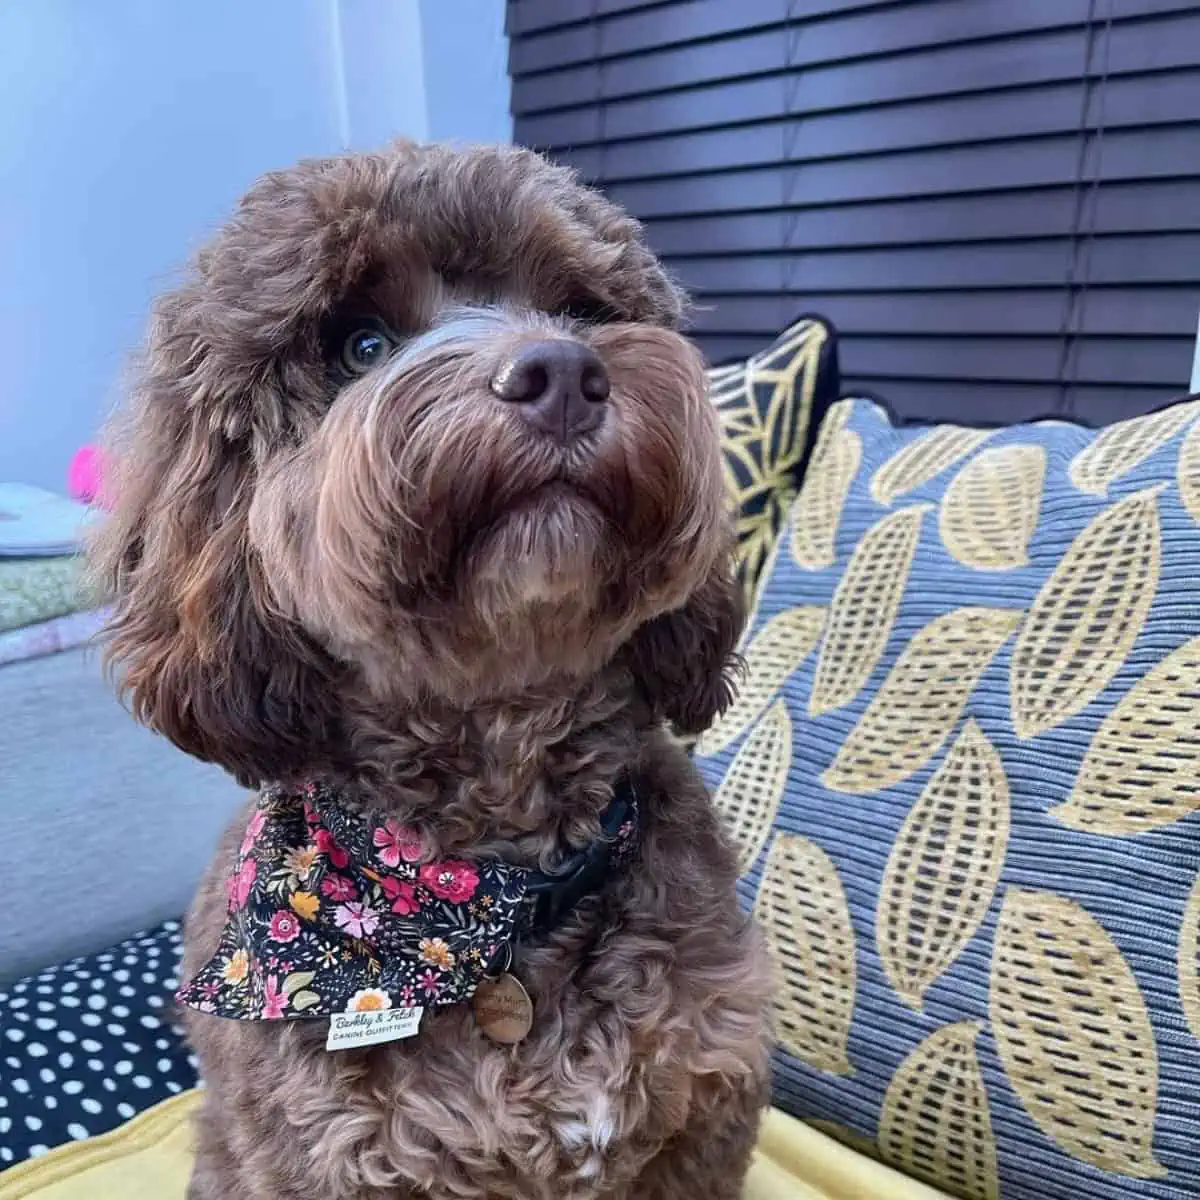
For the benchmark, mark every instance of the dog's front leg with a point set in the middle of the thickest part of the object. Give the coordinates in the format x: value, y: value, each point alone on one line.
x: 215, y: 1169
x: 220, y: 1173
x: 709, y: 1159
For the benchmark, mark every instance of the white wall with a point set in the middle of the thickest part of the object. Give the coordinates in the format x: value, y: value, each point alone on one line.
x: 129, y: 127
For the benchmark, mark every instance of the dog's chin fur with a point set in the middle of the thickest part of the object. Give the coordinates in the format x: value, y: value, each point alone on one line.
x: 543, y: 556
x: 393, y: 582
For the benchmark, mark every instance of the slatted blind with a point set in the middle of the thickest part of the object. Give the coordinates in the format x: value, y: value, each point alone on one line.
x: 996, y: 201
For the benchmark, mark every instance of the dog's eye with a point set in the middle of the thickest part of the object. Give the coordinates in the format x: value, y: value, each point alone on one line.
x: 589, y: 309
x: 364, y: 349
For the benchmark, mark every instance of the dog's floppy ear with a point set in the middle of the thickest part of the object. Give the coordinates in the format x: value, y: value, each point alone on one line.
x: 197, y: 649
x: 685, y: 662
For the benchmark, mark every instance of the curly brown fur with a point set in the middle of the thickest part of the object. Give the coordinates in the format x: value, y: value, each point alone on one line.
x: 390, y: 581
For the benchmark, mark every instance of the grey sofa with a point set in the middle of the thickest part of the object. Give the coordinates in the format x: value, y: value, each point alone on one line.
x: 104, y: 827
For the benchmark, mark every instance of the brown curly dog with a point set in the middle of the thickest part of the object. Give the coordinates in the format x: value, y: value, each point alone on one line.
x: 419, y: 494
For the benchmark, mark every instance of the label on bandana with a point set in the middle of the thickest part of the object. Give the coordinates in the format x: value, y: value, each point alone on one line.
x: 351, y: 1029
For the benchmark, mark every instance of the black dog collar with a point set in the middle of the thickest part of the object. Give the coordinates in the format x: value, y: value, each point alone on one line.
x: 550, y: 897
x: 330, y: 912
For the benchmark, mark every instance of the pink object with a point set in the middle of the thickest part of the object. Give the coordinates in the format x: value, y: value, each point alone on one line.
x: 85, y: 476
x: 396, y: 842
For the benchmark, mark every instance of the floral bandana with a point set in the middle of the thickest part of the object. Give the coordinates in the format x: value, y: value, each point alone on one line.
x: 330, y: 912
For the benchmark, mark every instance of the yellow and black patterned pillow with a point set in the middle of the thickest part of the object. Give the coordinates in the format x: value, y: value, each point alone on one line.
x: 770, y: 404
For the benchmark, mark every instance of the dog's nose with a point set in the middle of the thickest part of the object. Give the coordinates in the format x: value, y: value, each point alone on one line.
x: 559, y: 384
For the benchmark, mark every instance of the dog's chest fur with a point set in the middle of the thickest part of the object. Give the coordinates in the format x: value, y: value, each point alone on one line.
x: 573, y: 1113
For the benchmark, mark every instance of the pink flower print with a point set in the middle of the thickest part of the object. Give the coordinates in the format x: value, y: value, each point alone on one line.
x: 430, y: 984
x: 358, y: 920
x: 238, y: 885
x: 285, y: 926
x: 408, y: 995
x: 451, y: 880
x: 274, y: 1000
x: 397, y: 842
x: 253, y: 830
x: 210, y: 989
x: 402, y: 895
x: 339, y: 888
x: 326, y: 845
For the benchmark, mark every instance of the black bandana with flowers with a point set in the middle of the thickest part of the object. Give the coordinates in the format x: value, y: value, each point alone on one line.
x: 330, y: 912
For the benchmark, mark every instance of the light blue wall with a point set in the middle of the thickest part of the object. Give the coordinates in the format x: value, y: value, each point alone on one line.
x: 382, y: 70
x: 129, y: 127
x: 466, y: 70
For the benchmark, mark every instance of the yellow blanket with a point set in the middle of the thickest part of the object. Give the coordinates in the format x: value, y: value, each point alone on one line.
x: 149, y: 1158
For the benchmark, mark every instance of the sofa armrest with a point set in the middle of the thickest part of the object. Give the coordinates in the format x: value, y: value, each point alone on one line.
x: 106, y: 827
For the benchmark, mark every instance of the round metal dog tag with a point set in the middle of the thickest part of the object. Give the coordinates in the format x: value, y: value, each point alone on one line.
x: 503, y: 1009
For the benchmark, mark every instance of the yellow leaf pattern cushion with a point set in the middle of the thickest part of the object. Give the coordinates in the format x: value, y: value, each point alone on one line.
x: 769, y: 405
x: 964, y: 776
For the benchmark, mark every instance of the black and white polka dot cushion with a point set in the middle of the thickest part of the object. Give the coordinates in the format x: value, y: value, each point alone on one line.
x: 86, y: 1045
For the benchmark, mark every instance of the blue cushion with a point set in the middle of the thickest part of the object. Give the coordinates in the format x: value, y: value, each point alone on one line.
x: 964, y: 773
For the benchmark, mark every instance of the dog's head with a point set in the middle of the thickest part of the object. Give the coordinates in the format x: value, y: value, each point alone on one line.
x: 419, y: 427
